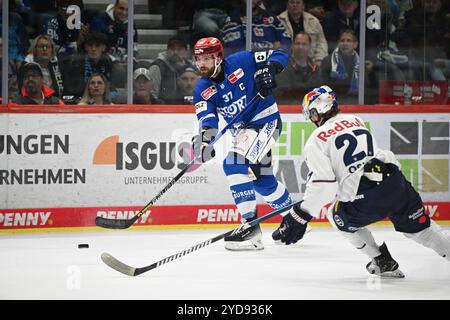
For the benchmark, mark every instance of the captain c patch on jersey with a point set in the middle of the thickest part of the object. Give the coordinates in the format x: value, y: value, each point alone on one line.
x: 208, y: 92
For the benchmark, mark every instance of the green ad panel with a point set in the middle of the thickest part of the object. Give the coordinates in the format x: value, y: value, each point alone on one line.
x: 410, y: 169
x: 298, y: 133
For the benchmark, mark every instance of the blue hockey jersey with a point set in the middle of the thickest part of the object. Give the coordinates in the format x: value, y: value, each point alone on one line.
x: 231, y: 96
x: 266, y: 30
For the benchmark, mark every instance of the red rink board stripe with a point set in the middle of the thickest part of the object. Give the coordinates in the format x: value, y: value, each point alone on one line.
x: 54, y: 218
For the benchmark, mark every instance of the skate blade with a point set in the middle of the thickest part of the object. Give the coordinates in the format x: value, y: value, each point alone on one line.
x: 243, y: 246
x: 278, y: 242
x: 388, y: 274
x: 392, y: 274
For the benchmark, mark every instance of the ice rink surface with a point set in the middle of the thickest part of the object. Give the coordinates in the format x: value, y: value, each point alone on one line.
x: 323, y: 266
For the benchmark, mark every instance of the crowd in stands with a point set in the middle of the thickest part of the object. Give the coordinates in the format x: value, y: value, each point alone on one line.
x: 79, y: 56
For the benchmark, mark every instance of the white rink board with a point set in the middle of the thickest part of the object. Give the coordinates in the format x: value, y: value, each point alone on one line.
x: 85, y: 132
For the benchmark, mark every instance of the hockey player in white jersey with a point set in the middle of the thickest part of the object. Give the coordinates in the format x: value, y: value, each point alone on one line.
x: 363, y: 183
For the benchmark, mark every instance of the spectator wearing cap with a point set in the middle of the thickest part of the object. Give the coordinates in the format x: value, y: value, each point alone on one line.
x: 186, y: 81
x: 32, y: 87
x: 143, y: 86
x: 114, y: 24
x: 60, y: 30
x: 96, y: 91
x: 94, y: 59
x: 295, y: 19
x: 43, y: 52
x: 164, y: 70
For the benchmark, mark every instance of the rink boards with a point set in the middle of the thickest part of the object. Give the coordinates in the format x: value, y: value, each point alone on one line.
x: 63, y: 166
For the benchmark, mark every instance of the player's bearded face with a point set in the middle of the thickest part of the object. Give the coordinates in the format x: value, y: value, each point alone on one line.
x: 205, y: 64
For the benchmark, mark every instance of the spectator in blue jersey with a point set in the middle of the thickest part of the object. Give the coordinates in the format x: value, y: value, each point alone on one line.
x: 12, y: 73
x: 93, y: 59
x: 210, y: 16
x: 295, y: 19
x: 114, y: 24
x: 267, y: 30
x: 341, y: 68
x: 343, y: 17
x: 43, y: 52
x: 301, y: 75
x: 18, y: 40
x: 63, y: 28
x: 35, y: 13
x: 425, y: 38
x: 241, y: 86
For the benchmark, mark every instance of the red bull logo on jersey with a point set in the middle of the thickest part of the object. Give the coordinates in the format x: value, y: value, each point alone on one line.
x: 338, y: 127
x: 235, y: 76
x: 208, y: 92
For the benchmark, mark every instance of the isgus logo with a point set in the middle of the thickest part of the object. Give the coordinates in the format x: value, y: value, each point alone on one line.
x: 146, y: 155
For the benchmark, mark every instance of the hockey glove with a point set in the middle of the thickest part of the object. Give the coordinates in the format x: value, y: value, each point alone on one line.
x: 202, y: 150
x: 293, y: 226
x: 265, y: 78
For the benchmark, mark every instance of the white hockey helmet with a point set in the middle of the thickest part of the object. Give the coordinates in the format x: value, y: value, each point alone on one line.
x: 319, y: 101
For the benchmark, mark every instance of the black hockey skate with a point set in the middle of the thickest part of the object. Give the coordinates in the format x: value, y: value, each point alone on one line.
x: 245, y: 239
x: 384, y: 265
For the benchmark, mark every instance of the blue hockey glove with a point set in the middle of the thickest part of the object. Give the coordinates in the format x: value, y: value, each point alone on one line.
x: 293, y: 226
x: 200, y: 142
x: 265, y: 79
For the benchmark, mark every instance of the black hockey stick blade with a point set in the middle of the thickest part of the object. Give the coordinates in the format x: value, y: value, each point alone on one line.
x: 117, y: 265
x: 115, y: 223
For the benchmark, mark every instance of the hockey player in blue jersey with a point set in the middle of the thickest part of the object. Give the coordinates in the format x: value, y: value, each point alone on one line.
x: 226, y: 86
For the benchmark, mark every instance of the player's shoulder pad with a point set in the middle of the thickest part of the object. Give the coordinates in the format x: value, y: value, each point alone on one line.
x: 262, y: 56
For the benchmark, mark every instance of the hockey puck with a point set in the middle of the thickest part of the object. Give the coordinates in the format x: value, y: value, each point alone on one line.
x: 83, y: 245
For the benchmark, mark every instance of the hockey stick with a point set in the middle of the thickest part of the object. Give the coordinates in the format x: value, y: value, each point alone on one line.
x: 132, y: 272
x: 126, y: 223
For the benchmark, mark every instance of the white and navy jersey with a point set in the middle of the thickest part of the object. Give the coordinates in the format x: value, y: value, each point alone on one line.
x: 231, y: 96
x: 335, y: 154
